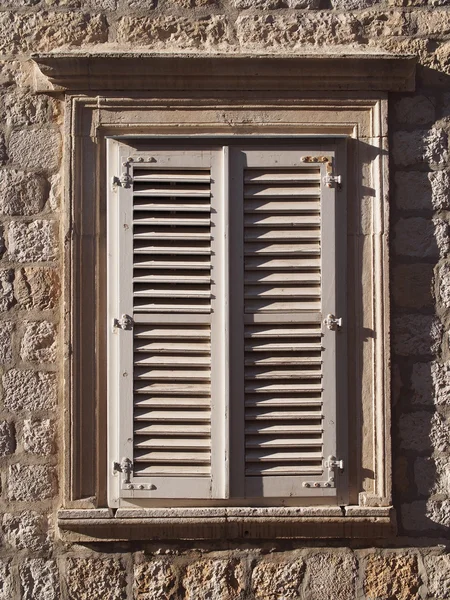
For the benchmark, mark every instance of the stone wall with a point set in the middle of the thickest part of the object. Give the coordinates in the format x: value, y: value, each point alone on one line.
x: 35, y: 564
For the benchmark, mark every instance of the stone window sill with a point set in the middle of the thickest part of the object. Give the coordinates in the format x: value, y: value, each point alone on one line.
x: 233, y: 523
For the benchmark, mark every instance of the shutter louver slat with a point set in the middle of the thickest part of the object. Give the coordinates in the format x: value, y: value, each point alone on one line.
x: 283, y: 359
x: 172, y: 360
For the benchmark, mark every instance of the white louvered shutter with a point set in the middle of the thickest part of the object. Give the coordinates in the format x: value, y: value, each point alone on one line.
x: 163, y: 223
x: 285, y: 392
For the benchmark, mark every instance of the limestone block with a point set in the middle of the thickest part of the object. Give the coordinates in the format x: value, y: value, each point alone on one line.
x: 415, y: 431
x: 431, y: 24
x: 29, y: 390
x: 414, y: 147
x: 353, y: 4
x: 89, y: 578
x: 27, y: 530
x: 440, y: 185
x: 99, y: 5
x: 422, y: 384
x: 440, y: 433
x: 159, y: 32
x: 44, y: 31
x: 272, y: 580
x: 54, y: 198
x: 444, y: 283
x: 22, y: 193
x: 31, y: 483
x: 438, y: 512
x: 6, y: 580
x: 38, y: 436
x: 39, y: 342
x: 211, y: 579
x: 438, y: 571
x: 392, y: 576
x: 37, y: 288
x: 35, y: 148
x: 65, y: 3
x: 7, y: 438
x: 412, y: 190
x: 416, y: 110
x: 442, y: 236
x: 417, y: 277
x: 19, y: 109
x: 35, y: 241
x: 18, y: 3
x: 331, y: 576
x: 273, y: 4
x: 39, y: 579
x: 141, y: 4
x: 432, y: 475
x: 3, y: 151
x: 6, y: 289
x: 155, y: 579
x: 416, y: 335
x: 440, y: 373
x: 416, y: 236
x: 6, y: 330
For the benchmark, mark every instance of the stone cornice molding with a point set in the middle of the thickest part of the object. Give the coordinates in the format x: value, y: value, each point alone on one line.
x: 138, y: 72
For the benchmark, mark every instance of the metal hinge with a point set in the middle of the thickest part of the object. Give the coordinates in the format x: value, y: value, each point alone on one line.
x: 330, y: 180
x: 125, y: 467
x: 333, y: 322
x: 125, y: 322
x: 124, y: 180
x: 334, y: 463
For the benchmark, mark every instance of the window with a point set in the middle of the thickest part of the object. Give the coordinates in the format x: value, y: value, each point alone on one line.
x: 227, y: 344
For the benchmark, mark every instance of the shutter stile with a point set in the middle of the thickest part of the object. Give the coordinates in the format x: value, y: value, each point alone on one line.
x: 172, y: 361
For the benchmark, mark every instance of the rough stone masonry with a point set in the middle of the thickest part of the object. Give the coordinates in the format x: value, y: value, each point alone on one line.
x: 34, y: 563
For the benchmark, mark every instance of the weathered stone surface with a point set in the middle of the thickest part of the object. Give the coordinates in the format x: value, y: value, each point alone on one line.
x: 211, y: 579
x: 392, y: 576
x: 412, y: 190
x: 416, y: 110
x: 414, y: 147
x: 438, y: 513
x: 440, y: 373
x: 353, y: 4
x: 22, y: 193
x: 38, y: 436
x: 155, y: 579
x: 39, y: 580
x: 35, y: 148
x: 432, y: 475
x: 141, y: 4
x: 442, y: 236
x: 273, y: 4
x: 6, y: 289
x: 415, y: 430
x: 89, y: 578
x: 7, y: 438
x: 417, y: 277
x: 440, y: 185
x: 6, y: 580
x: 415, y: 335
x: 39, y: 342
x: 30, y: 483
x: 35, y: 241
x: 3, y: 151
x: 37, y: 288
x: 415, y: 517
x: 415, y: 236
x: 43, y: 31
x: 435, y: 23
x: 438, y: 571
x: 422, y: 384
x: 27, y: 530
x: 281, y: 579
x: 29, y: 390
x: 158, y: 32
x: 331, y: 576
x: 18, y: 3
x: 54, y: 198
x: 99, y: 5
x: 440, y: 433
x: 19, y: 109
x: 401, y: 480
x: 444, y: 283
x: 6, y: 330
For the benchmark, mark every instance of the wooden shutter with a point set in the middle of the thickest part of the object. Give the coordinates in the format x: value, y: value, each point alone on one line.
x: 288, y: 286
x: 163, y: 220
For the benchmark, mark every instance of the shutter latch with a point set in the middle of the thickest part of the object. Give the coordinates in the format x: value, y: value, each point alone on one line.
x: 125, y: 467
x: 330, y: 180
x: 333, y: 322
x: 125, y: 322
x: 334, y: 463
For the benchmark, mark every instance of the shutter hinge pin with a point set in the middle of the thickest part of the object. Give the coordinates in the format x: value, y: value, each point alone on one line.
x: 330, y: 180
x: 125, y: 322
x: 333, y: 322
x: 125, y: 467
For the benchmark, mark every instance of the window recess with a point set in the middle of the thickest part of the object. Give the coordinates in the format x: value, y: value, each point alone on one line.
x: 226, y: 319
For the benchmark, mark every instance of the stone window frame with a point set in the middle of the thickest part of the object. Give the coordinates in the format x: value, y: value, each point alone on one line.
x: 238, y: 96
